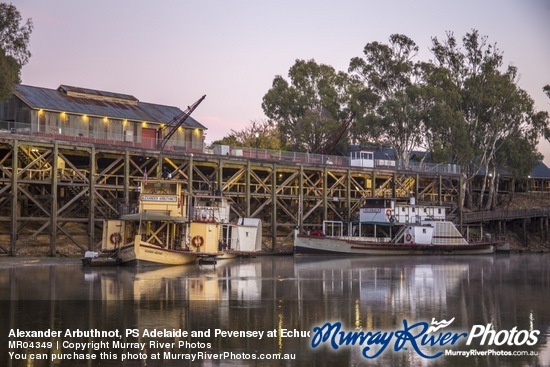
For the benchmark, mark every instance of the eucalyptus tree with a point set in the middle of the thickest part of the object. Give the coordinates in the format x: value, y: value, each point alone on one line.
x: 310, y: 107
x: 487, y: 107
x: 14, y: 52
x: 394, y: 95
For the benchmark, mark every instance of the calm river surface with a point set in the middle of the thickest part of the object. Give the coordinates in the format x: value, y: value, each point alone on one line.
x: 100, y: 316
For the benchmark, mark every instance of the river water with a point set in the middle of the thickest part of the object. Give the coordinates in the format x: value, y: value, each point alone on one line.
x: 54, y: 312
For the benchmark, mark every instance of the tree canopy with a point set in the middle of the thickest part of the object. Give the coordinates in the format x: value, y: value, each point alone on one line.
x: 464, y: 106
x: 490, y: 110
x: 392, y: 115
x: 309, y: 107
x: 14, y: 51
x: 258, y: 134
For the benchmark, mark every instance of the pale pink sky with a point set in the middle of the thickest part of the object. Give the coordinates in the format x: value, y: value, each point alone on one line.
x: 174, y: 51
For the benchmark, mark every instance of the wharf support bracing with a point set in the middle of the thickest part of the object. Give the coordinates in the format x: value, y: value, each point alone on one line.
x: 54, y: 195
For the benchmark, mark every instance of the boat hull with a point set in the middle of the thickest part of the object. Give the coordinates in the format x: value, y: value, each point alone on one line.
x: 143, y: 253
x: 304, y: 244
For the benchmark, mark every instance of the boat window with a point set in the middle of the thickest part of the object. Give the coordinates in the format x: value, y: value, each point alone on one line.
x: 438, y: 211
x: 423, y: 230
x: 413, y: 210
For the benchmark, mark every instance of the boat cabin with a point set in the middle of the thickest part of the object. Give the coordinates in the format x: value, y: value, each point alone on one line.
x: 433, y: 233
x: 210, y: 209
x: 389, y: 212
x: 411, y: 213
x: 163, y: 197
x: 377, y: 211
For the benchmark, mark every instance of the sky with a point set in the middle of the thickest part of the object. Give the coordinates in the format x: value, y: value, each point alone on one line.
x: 172, y: 52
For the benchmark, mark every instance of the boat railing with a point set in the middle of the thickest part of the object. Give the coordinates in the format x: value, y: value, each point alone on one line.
x: 473, y: 239
x: 207, y: 213
x: 364, y: 239
x: 333, y: 228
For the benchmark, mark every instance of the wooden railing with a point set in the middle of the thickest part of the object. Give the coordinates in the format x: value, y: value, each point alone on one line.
x: 477, y: 217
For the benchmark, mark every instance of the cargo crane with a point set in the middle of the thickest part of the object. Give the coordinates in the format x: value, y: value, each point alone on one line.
x: 174, y: 124
x: 335, y: 138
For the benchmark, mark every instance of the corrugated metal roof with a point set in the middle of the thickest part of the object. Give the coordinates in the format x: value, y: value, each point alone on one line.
x: 94, y: 92
x: 58, y: 100
x: 540, y: 171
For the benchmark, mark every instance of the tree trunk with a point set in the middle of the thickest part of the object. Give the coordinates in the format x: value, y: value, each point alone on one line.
x: 482, y: 191
x: 469, y: 194
x: 491, y: 194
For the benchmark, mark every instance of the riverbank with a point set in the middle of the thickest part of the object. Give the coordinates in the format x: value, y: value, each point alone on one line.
x: 7, y: 262
x: 534, y: 244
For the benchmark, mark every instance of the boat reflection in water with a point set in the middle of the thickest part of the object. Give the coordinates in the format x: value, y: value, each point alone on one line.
x: 384, y: 281
x: 275, y: 293
x: 233, y: 279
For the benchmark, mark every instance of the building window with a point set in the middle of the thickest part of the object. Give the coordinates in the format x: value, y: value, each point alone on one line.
x: 41, y: 121
x: 366, y: 155
x: 188, y: 138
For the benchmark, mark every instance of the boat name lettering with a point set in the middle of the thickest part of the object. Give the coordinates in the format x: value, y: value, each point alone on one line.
x: 158, y: 198
x: 371, y: 210
x: 153, y: 252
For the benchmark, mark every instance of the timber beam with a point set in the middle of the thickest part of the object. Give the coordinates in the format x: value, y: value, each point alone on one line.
x: 63, y: 192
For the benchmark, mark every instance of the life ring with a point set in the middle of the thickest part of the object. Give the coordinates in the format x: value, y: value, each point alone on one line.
x: 197, y: 241
x: 388, y: 212
x: 115, y: 238
x: 408, y: 237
